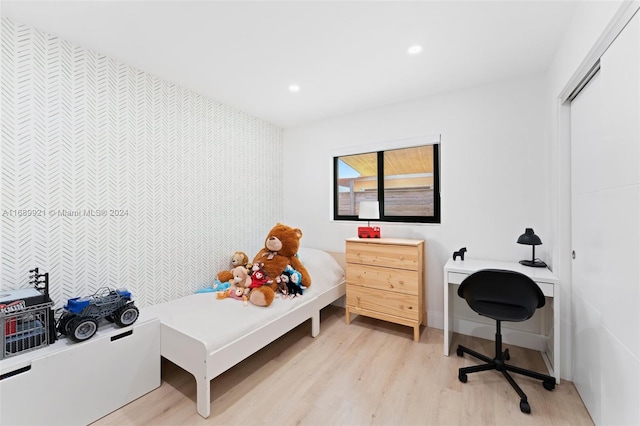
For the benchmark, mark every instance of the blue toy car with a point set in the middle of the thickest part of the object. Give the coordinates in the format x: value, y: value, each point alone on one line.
x: 82, y: 314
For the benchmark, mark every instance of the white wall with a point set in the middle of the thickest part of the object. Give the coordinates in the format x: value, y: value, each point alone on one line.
x: 607, y: 370
x: 467, y: 121
x: 83, y: 131
x: 493, y: 175
x: 586, y: 28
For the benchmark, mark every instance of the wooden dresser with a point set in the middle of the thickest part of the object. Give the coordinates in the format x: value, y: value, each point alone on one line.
x: 385, y: 280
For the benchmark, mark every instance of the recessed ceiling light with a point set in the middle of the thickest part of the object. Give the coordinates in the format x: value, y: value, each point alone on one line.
x: 414, y: 50
x: 294, y: 88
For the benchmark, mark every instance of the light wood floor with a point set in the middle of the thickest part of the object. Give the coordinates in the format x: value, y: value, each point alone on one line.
x: 366, y: 373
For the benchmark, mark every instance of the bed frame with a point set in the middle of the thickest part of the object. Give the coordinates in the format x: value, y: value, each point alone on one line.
x: 192, y: 354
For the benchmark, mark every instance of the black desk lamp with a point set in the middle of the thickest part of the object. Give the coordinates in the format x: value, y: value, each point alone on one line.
x: 531, y: 239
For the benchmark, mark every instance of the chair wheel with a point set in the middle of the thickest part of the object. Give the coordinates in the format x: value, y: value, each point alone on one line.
x: 462, y: 377
x: 459, y: 352
x: 524, y: 407
x: 506, y: 355
x: 549, y: 385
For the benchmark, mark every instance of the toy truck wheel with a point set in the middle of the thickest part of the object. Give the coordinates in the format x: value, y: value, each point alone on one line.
x: 80, y: 329
x: 126, y: 315
x: 64, y: 322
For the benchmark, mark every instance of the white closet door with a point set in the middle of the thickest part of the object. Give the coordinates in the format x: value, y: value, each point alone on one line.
x: 605, y: 156
x: 587, y: 273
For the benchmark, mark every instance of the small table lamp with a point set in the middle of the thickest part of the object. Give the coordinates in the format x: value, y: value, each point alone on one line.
x: 531, y: 239
x: 369, y: 210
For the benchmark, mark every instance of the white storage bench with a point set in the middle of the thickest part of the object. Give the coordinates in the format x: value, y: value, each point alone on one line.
x: 69, y: 383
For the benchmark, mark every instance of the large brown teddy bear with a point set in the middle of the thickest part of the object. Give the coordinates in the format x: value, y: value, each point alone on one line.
x: 280, y: 248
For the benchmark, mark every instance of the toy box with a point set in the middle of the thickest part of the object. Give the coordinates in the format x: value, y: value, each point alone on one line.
x: 26, y: 325
x: 26, y: 318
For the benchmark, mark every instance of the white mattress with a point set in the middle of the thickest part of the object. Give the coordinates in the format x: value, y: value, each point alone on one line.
x: 219, y: 322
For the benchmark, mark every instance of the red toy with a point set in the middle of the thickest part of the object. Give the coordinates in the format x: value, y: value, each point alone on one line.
x: 259, y: 278
x: 368, y: 232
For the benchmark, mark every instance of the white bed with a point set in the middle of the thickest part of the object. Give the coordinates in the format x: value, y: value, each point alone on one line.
x: 206, y: 336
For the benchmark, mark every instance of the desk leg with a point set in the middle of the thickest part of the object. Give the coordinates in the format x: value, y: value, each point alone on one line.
x: 556, y: 334
x: 552, y: 360
x: 447, y: 324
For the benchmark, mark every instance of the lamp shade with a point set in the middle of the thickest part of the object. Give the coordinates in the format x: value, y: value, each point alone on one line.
x: 369, y: 210
x: 529, y: 238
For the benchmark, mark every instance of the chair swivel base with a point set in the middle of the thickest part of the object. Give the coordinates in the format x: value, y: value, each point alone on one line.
x: 498, y: 363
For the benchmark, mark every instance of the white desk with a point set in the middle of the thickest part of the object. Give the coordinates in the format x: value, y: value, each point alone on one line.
x: 547, y: 339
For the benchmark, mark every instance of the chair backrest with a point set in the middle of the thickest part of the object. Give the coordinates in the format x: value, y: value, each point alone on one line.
x: 501, y: 294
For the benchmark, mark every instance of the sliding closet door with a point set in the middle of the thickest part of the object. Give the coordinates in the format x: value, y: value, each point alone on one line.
x: 605, y: 155
x: 587, y: 271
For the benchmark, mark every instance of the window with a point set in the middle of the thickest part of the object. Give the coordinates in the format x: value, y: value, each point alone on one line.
x: 405, y: 182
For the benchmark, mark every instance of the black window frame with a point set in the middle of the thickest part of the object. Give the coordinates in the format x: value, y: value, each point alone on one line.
x: 435, y: 219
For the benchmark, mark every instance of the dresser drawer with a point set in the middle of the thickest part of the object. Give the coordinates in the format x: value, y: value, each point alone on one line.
x: 384, y: 302
x: 400, y: 280
x: 386, y: 255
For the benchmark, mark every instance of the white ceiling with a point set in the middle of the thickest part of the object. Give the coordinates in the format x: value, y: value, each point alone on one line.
x: 345, y: 56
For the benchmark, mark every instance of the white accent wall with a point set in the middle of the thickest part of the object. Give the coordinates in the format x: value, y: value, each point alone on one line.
x: 168, y: 183
x: 494, y: 173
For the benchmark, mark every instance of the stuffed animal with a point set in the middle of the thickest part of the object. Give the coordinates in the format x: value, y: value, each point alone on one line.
x: 220, y: 286
x: 241, y: 278
x: 289, y: 282
x: 233, y: 293
x: 294, y: 278
x: 259, y: 278
x: 216, y: 287
x: 294, y: 290
x: 239, y: 285
x: 283, y: 284
x: 280, y: 248
x: 239, y: 258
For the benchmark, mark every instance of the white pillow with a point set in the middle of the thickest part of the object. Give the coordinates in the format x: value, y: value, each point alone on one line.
x: 322, y: 267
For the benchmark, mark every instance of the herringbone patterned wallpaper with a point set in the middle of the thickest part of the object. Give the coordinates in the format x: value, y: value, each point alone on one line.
x: 114, y: 177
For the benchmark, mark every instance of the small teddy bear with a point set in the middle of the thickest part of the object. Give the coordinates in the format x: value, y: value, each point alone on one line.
x: 238, y: 258
x: 239, y: 286
x: 241, y: 277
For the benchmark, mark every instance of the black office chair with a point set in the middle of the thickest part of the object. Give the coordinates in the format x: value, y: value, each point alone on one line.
x: 503, y: 296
